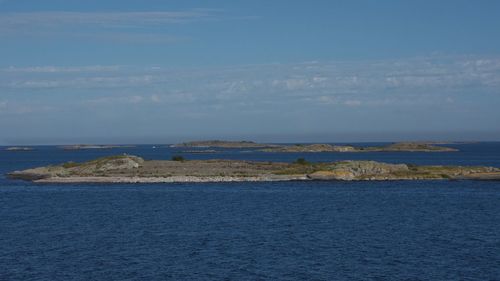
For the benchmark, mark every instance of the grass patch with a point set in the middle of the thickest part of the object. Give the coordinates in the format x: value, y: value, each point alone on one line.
x: 301, y: 161
x: 299, y: 169
x: 70, y: 164
x: 178, y: 158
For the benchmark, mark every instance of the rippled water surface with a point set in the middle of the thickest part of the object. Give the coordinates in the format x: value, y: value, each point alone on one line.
x: 421, y: 230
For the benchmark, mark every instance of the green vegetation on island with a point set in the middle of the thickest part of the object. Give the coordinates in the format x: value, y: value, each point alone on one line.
x: 177, y: 158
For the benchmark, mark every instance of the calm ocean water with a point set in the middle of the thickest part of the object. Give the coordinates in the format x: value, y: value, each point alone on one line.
x: 421, y: 230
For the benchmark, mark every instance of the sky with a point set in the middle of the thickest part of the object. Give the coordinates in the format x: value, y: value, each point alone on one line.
x: 159, y: 71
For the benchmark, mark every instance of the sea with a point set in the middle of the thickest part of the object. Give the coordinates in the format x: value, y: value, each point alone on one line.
x: 398, y: 230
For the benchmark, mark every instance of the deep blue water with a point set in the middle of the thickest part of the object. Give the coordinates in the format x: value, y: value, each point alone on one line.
x: 418, y: 230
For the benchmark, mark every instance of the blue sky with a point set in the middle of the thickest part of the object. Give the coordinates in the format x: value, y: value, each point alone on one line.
x: 167, y: 71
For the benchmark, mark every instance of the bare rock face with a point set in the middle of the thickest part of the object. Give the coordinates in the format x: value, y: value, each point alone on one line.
x: 354, y: 170
x: 28, y: 175
x: 331, y: 175
x: 120, y: 163
x: 38, y: 173
x: 370, y: 167
x: 98, y: 166
x: 106, y: 164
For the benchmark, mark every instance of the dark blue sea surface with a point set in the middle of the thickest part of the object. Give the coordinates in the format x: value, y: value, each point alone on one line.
x: 403, y: 230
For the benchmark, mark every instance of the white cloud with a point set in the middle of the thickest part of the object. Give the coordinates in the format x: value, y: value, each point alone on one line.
x: 424, y: 81
x: 326, y: 100
x: 115, y: 81
x: 319, y: 79
x: 18, y: 108
x: 135, y: 99
x: 155, y: 98
x: 107, y: 100
x: 352, y: 102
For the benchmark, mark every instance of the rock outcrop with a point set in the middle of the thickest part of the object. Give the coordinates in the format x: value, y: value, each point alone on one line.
x: 352, y: 170
x: 101, y: 166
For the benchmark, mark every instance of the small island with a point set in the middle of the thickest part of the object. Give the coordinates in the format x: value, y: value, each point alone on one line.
x: 317, y: 147
x: 311, y: 148
x: 19, y: 148
x: 202, y: 151
x: 395, y: 147
x: 133, y: 169
x: 411, y: 147
x: 93, y: 146
x: 222, y: 144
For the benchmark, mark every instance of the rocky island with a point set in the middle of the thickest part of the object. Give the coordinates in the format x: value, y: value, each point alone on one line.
x: 317, y: 147
x: 395, y: 147
x: 411, y: 147
x: 222, y: 144
x: 311, y: 148
x: 93, y: 146
x: 133, y: 169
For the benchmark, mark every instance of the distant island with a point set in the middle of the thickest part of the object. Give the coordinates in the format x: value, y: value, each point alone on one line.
x: 411, y: 147
x: 318, y: 147
x: 19, y: 148
x: 222, y: 144
x: 395, y: 147
x: 133, y: 169
x: 92, y: 146
x: 200, y: 151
